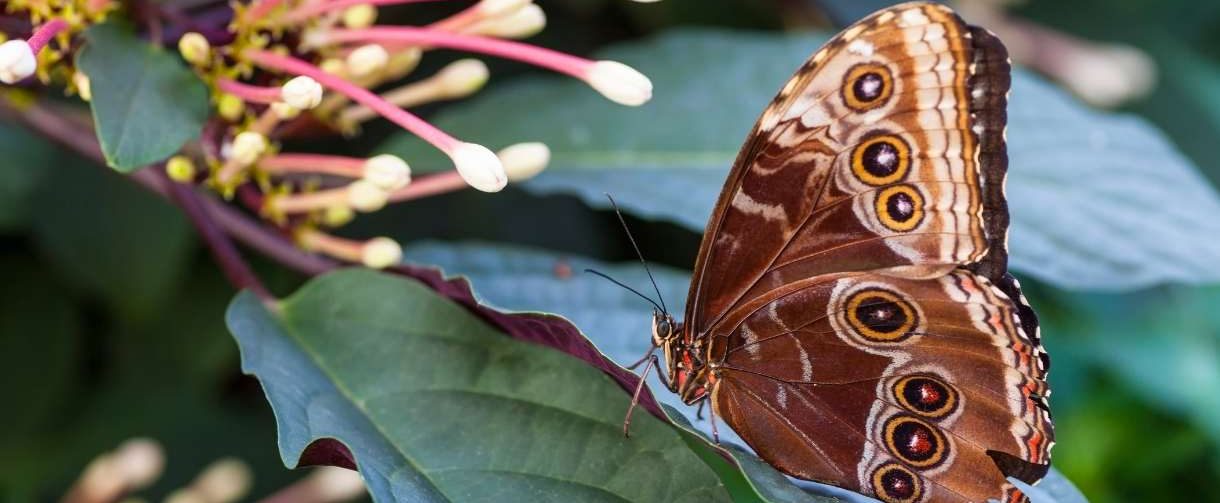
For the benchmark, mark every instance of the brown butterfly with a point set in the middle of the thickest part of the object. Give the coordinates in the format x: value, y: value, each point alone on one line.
x: 851, y: 315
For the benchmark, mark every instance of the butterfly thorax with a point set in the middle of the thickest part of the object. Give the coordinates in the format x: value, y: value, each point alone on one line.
x: 686, y: 362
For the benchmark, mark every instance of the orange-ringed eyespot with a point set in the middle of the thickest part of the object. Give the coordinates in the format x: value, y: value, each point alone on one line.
x: 881, y: 315
x: 900, y: 207
x: 894, y: 483
x: 925, y: 395
x: 914, y: 441
x: 881, y: 159
x: 867, y: 86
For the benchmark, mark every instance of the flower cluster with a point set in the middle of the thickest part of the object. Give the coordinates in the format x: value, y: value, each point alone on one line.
x: 286, y: 63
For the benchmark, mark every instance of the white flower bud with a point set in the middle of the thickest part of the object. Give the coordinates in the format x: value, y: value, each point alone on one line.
x: 83, y: 89
x: 194, y: 48
x: 285, y: 111
x: 224, y: 481
x: 620, y: 83
x: 525, y: 22
x: 17, y: 61
x: 524, y: 160
x: 479, y: 167
x: 495, y: 8
x: 335, y: 216
x: 366, y: 197
x: 302, y: 92
x: 334, y: 67
x: 367, y: 60
x: 140, y: 461
x: 248, y: 146
x: 387, y: 171
x: 331, y: 483
x: 360, y: 16
x: 380, y: 253
x: 403, y: 61
x: 462, y: 78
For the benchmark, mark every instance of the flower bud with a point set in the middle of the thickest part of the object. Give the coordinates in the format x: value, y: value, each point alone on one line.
x: 194, y: 48
x: 524, y: 160
x: 334, y: 67
x: 462, y: 78
x: 496, y: 8
x: 17, y: 61
x: 248, y: 146
x: 180, y: 169
x: 525, y: 22
x: 285, y: 111
x: 335, y: 216
x: 223, y: 481
x: 81, y: 81
x: 367, y: 60
x: 302, y: 92
x: 620, y: 83
x: 403, y: 61
x: 479, y: 167
x: 360, y: 16
x: 230, y: 107
x: 381, y: 252
x: 140, y: 462
x: 389, y: 172
x: 366, y: 197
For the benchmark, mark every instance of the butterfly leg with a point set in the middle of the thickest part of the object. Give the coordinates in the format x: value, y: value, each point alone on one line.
x: 644, y: 359
x: 699, y: 411
x: 635, y: 397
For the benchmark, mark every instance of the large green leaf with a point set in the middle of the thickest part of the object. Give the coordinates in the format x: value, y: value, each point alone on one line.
x: 146, y: 103
x: 436, y: 405
x: 618, y: 322
x: 1098, y: 200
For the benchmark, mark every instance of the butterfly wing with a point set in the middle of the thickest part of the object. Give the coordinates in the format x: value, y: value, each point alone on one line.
x: 863, y: 161
x: 906, y: 389
x: 876, y: 177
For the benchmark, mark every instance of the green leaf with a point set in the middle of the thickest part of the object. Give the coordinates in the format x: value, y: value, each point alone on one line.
x: 1098, y: 200
x: 619, y: 323
x: 146, y: 103
x: 109, y: 237
x: 436, y: 405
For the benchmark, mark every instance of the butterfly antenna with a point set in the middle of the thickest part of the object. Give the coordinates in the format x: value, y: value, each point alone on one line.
x: 630, y: 238
x: 629, y: 289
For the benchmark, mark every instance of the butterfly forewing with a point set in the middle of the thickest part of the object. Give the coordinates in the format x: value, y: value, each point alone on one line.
x: 851, y: 291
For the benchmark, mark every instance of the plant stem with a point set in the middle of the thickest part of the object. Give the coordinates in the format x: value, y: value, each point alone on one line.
x: 226, y: 255
x: 78, y: 138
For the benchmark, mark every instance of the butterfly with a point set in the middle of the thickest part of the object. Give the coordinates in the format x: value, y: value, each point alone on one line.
x: 851, y: 315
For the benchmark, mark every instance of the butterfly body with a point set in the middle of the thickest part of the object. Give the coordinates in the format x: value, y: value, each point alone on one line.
x: 851, y: 315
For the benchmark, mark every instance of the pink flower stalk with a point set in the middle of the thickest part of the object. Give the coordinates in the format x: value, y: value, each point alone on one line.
x: 311, y: 10
x: 350, y: 167
x: 477, y: 165
x: 45, y: 33
x: 403, y: 118
x: 248, y: 92
x: 260, y: 9
x: 616, y: 81
x: 431, y: 185
x: 405, y: 35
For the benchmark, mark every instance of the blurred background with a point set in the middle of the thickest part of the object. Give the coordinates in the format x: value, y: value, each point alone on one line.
x: 111, y: 320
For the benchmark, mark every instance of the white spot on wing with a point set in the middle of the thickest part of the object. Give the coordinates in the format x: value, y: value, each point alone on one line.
x: 860, y: 47
x: 746, y: 204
